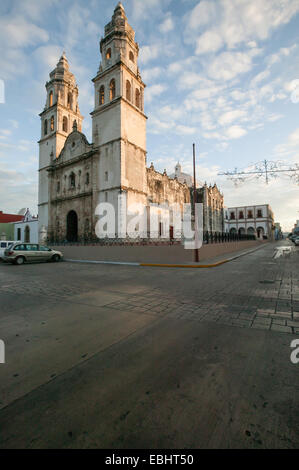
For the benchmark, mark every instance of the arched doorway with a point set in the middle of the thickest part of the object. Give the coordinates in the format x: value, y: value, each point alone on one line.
x: 260, y: 232
x: 27, y: 234
x: 241, y: 231
x: 72, y: 227
x: 250, y: 231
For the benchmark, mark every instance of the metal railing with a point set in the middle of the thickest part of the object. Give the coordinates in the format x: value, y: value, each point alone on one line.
x: 208, y: 238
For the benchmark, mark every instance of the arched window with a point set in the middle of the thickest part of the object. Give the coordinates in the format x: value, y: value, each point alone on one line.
x: 87, y: 179
x: 72, y: 180
x: 108, y: 54
x: 128, y: 90
x: 112, y: 89
x: 70, y: 100
x: 137, y: 98
x: 52, y: 123
x: 131, y: 56
x: 46, y: 127
x: 51, y: 98
x: 102, y: 95
x: 64, y: 124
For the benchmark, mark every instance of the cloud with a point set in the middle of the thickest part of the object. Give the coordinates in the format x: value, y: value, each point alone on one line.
x: 291, y: 145
x: 152, y: 73
x: 229, y: 65
x: 148, y: 53
x: 18, y: 32
x: 210, y: 41
x: 154, y: 90
x: 235, y: 132
x: 283, y: 52
x: 185, y: 130
x: 237, y: 21
x: 230, y: 116
x: 167, y: 25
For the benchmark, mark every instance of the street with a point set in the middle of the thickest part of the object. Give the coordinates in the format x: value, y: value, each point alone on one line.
x: 124, y: 357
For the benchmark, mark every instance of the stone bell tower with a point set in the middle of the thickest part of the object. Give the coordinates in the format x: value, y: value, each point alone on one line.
x: 119, y: 122
x: 57, y: 119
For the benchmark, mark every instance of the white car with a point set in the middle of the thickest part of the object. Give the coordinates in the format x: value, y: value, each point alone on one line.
x: 3, y: 245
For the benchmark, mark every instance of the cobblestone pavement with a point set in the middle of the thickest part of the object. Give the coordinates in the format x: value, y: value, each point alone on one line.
x: 266, y: 297
x: 155, y: 357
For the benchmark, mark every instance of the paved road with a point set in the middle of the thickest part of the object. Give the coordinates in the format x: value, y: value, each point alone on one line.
x: 128, y: 357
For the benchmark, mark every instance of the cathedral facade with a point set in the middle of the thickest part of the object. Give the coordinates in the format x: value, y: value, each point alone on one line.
x: 75, y: 175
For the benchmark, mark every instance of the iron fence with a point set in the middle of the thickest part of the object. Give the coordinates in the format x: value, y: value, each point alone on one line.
x: 208, y: 238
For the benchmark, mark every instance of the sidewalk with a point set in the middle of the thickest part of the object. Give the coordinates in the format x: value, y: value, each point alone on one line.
x: 209, y: 263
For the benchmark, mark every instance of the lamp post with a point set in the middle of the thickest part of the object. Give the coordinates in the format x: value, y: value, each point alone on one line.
x: 196, y: 256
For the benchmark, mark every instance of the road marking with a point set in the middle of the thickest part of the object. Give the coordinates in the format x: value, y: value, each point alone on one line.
x: 282, y: 250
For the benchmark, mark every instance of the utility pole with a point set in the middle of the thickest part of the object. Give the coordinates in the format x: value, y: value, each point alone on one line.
x: 196, y: 256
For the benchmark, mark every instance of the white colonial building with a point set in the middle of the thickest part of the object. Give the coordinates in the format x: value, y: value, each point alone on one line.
x: 255, y: 220
x: 26, y: 230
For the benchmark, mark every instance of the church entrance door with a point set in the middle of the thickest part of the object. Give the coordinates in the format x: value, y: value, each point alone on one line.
x: 72, y: 227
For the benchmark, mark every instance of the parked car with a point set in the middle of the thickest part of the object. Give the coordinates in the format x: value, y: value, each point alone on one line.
x: 3, y: 245
x: 20, y: 253
x: 296, y: 241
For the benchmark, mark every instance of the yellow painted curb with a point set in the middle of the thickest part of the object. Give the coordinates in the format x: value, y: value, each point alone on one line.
x: 152, y: 265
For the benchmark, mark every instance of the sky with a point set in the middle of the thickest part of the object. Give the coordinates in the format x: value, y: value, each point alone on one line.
x: 223, y: 74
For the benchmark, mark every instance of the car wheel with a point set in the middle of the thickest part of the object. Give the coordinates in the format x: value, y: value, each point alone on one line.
x: 56, y: 258
x: 20, y: 260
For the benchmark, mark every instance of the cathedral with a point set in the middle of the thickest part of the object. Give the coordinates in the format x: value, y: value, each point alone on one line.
x: 76, y: 175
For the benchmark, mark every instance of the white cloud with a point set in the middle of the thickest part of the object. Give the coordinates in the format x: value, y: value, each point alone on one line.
x: 229, y: 65
x: 148, y: 53
x: 230, y: 116
x: 154, y: 90
x: 202, y: 14
x: 290, y: 146
x: 259, y: 78
x: 167, y: 25
x: 185, y: 130
x: 18, y: 32
x: 152, y: 73
x: 210, y: 41
x: 235, y: 132
x: 283, y: 52
x: 239, y: 21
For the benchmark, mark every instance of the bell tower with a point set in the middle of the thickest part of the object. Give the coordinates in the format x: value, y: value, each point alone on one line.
x: 60, y: 112
x: 119, y: 122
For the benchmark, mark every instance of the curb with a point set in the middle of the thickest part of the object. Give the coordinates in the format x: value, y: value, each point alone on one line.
x: 160, y: 265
